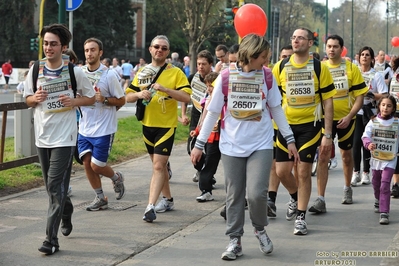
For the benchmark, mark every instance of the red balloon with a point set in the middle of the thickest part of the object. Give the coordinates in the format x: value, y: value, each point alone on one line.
x: 344, y: 52
x: 395, y: 41
x: 250, y: 18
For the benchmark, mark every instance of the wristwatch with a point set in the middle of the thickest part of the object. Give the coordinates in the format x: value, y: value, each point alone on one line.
x: 105, y: 101
x: 328, y: 136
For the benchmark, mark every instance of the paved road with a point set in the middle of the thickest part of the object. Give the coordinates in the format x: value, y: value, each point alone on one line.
x: 193, y: 233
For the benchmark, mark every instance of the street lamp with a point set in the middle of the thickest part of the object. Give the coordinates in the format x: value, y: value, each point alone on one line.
x: 352, y: 55
x: 387, y: 12
x: 343, y: 26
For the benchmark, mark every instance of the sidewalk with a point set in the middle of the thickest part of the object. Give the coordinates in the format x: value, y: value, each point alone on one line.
x: 193, y: 233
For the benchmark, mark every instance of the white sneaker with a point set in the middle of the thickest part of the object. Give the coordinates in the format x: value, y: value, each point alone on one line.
x: 164, y: 205
x: 334, y: 162
x: 265, y: 244
x: 355, y: 179
x: 205, y: 196
x: 365, y: 178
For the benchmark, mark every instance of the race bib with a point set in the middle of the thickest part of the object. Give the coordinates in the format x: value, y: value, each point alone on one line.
x: 340, y: 82
x: 55, y: 88
x: 245, y: 96
x: 198, y: 92
x: 386, y: 140
x: 300, y: 89
x: 146, y: 75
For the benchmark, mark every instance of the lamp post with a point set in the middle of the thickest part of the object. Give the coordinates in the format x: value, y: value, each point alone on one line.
x: 326, y: 19
x: 387, y: 11
x: 352, y: 55
x: 343, y: 26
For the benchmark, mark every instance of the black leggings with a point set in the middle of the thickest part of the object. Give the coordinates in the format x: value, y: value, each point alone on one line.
x: 358, y: 147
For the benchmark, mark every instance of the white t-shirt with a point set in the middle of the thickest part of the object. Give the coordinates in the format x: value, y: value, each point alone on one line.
x: 56, y: 129
x: 118, y: 71
x: 241, y: 138
x: 100, y: 119
x: 377, y: 85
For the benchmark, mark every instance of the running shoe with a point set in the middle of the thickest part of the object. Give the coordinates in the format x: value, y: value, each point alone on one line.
x: 149, y: 213
x: 347, y: 199
x: 233, y: 250
x: 300, y: 227
x: 205, y: 196
x: 319, y: 206
x: 265, y: 244
x: 164, y: 205
x: 98, y: 204
x: 355, y: 179
x: 119, y: 187
x: 384, y: 218
x: 271, y: 209
x: 365, y: 178
x: 291, y: 210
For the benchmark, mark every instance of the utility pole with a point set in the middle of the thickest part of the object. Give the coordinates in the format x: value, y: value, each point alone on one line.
x: 61, y: 11
x: 387, y: 11
x: 327, y: 19
x: 269, y: 13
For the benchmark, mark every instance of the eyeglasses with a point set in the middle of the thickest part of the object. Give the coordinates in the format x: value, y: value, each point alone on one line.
x: 299, y: 38
x: 51, y: 44
x: 163, y: 48
x: 220, y: 56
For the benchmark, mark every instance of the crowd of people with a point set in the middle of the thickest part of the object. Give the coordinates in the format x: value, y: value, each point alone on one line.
x: 265, y: 125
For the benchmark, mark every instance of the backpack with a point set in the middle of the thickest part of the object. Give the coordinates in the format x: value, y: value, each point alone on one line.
x: 225, y: 87
x: 35, y: 74
x: 317, y: 70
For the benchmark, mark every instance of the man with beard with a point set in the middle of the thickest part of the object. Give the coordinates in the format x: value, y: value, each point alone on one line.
x: 98, y: 125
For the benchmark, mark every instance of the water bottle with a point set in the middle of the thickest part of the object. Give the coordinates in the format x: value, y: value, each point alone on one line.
x: 146, y: 102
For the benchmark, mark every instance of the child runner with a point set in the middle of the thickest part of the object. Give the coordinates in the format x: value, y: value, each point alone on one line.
x: 381, y: 138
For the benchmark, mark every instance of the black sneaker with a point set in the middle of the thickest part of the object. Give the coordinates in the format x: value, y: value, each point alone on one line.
x: 223, y: 212
x: 48, y: 248
x: 271, y: 209
x: 66, y: 226
x: 395, y: 191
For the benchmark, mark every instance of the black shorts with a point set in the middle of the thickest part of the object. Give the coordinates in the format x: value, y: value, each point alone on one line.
x: 126, y: 77
x: 7, y: 78
x: 159, y: 140
x: 345, y: 136
x: 307, y: 139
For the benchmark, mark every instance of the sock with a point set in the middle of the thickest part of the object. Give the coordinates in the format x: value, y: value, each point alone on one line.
x: 171, y: 199
x: 294, y: 196
x: 99, y: 192
x: 273, y: 196
x: 300, y: 214
x: 346, y: 188
x: 322, y: 198
x: 115, y: 177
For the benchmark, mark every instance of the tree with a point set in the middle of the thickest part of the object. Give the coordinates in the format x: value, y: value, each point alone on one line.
x: 196, y: 18
x: 100, y: 19
x: 16, y: 30
x: 160, y: 22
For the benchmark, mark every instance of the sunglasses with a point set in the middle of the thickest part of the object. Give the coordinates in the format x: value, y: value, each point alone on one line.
x: 163, y: 48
